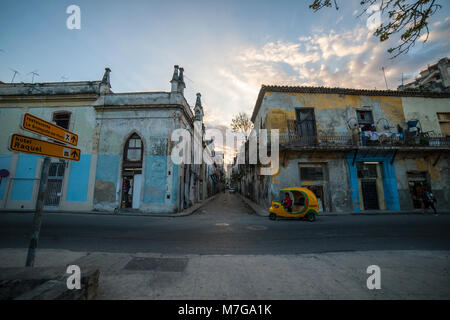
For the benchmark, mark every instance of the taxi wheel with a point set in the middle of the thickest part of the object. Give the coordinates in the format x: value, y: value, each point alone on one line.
x: 272, y: 216
x: 311, y: 217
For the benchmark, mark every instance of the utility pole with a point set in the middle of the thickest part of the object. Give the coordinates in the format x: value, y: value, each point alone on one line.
x: 384, y: 74
x: 37, y: 220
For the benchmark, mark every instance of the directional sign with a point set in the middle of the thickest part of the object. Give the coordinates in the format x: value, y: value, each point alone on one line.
x: 30, y: 145
x: 39, y: 126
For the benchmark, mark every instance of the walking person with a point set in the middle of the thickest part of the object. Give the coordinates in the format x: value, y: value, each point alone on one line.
x: 428, y: 200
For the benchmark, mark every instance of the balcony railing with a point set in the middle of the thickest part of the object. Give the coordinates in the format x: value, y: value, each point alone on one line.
x: 293, y: 139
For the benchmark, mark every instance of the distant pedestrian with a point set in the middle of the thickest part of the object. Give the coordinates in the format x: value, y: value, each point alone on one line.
x: 428, y: 200
x: 126, y: 190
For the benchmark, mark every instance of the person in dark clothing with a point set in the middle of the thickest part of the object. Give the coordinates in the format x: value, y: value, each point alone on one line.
x: 428, y: 200
x: 126, y: 190
x: 287, y: 202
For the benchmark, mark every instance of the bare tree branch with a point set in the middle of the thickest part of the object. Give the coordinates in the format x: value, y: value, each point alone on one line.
x: 241, y: 123
x: 409, y: 18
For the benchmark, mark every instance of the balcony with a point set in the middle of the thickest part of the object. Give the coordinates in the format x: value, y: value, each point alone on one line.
x: 292, y: 140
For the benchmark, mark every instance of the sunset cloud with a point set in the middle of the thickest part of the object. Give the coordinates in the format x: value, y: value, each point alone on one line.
x: 352, y: 58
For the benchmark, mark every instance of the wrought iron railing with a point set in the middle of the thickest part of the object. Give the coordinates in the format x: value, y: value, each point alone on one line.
x: 293, y: 139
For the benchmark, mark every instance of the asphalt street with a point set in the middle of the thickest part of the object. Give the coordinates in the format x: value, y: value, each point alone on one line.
x: 227, y: 226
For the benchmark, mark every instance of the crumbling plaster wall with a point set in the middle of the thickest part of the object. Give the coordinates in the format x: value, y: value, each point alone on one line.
x: 154, y: 126
x: 439, y: 179
x: 425, y: 110
x: 76, y: 193
x: 332, y: 111
x: 335, y: 181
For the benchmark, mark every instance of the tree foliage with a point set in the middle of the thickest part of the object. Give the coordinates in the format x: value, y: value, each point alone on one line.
x: 241, y: 123
x: 410, y: 18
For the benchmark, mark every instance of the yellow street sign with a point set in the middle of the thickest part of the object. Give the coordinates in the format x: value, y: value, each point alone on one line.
x: 45, y: 128
x: 30, y: 145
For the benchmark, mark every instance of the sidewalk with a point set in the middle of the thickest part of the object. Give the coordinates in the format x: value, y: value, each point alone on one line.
x: 183, y: 213
x: 264, y: 212
x: 341, y: 275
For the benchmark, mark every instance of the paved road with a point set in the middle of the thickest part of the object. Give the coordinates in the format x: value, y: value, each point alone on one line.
x: 227, y: 226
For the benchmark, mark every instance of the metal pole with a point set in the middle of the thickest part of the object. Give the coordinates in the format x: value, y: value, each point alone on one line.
x: 37, y: 220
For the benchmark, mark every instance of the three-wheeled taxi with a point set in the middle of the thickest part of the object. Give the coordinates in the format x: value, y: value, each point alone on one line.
x: 303, y: 204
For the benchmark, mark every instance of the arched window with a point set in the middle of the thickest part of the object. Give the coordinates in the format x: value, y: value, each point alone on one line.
x: 133, y: 149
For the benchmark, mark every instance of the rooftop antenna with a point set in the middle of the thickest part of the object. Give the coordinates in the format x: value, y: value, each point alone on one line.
x: 14, y: 76
x: 384, y: 74
x: 63, y: 78
x: 189, y: 78
x: 34, y: 73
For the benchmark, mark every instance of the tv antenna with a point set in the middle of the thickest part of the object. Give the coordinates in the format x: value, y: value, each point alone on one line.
x: 34, y: 73
x: 15, y: 73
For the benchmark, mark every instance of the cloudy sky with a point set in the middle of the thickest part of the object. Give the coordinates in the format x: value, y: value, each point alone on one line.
x: 228, y: 48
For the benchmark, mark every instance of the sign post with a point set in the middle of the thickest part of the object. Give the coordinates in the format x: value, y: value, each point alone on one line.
x: 37, y: 220
x: 48, y: 149
x: 31, y: 145
x: 42, y: 127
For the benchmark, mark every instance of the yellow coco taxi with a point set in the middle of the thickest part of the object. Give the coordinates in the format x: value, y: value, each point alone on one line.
x: 304, y: 204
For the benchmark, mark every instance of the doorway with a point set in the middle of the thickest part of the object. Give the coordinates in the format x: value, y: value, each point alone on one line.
x: 370, y: 195
x: 318, y: 192
x: 371, y: 190
x: 417, y: 182
x: 132, y: 173
x: 306, y: 126
x: 131, y: 189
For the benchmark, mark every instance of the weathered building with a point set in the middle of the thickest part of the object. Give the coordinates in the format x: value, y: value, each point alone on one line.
x: 356, y: 149
x: 125, y: 142
x: 434, y: 78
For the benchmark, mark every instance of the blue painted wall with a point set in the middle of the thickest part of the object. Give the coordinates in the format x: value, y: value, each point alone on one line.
x: 5, y: 162
x: 389, y: 180
x: 22, y: 189
x: 107, y: 167
x: 155, y: 179
x: 79, y: 179
x: 354, y: 190
x: 390, y: 186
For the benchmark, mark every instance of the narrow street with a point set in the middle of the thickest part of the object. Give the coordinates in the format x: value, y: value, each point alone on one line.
x: 227, y: 226
x: 225, y: 251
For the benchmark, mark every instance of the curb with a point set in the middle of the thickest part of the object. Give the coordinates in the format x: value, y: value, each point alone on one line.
x: 260, y: 211
x: 46, y: 283
x: 187, y: 212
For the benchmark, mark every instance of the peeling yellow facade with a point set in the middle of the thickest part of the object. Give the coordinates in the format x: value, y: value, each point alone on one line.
x: 335, y: 114
x: 389, y: 108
